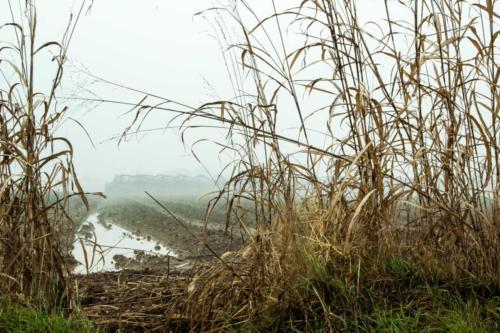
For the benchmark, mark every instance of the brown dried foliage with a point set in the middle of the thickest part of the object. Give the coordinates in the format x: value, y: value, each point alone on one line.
x: 410, y: 164
x: 37, y: 177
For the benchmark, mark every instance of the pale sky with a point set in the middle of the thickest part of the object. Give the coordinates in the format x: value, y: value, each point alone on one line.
x: 153, y: 45
x: 158, y: 46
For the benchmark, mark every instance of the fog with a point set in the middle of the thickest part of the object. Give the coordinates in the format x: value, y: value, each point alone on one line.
x: 155, y: 46
x: 159, y: 47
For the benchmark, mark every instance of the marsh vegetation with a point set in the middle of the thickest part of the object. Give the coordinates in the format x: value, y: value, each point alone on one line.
x: 378, y: 211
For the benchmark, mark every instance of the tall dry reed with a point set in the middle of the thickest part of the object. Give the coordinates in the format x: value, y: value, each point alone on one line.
x: 407, y: 161
x: 37, y: 176
x: 401, y: 157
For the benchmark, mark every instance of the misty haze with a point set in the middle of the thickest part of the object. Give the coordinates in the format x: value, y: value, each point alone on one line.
x: 249, y: 166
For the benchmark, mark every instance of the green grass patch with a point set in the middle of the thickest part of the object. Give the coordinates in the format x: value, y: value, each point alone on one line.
x: 23, y: 319
x: 392, y: 295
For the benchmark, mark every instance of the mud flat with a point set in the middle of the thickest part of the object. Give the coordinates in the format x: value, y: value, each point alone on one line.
x: 147, y: 221
x: 101, y: 246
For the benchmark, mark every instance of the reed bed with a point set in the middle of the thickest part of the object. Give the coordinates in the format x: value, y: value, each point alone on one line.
x: 388, y: 187
x: 404, y: 179
x: 37, y: 176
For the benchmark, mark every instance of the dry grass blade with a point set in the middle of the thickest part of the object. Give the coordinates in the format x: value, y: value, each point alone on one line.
x: 410, y: 158
x: 36, y: 171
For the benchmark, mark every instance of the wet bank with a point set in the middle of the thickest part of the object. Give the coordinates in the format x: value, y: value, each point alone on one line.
x: 100, y: 246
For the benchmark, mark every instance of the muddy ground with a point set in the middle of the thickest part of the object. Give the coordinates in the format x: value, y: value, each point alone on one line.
x: 184, y: 233
x: 132, y: 301
x: 142, y: 294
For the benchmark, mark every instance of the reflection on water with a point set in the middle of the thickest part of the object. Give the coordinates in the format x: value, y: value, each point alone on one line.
x: 111, y: 240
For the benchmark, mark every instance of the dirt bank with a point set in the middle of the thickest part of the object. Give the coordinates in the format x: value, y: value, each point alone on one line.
x: 185, y: 236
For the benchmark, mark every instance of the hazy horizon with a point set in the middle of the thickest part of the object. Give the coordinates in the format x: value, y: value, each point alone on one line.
x: 158, y: 47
